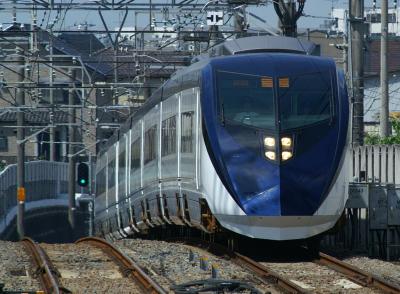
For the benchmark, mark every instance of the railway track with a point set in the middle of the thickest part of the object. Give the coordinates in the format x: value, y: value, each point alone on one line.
x: 284, y: 279
x: 128, y: 266
x: 90, y: 265
x: 47, y: 274
x: 357, y: 275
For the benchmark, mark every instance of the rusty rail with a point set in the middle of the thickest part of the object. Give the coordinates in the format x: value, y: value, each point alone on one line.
x: 48, y: 276
x: 265, y: 273
x: 357, y: 275
x: 127, y: 265
x: 268, y: 274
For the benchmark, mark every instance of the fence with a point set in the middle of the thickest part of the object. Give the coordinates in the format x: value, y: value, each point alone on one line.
x: 373, y: 209
x: 44, y: 180
x: 376, y: 164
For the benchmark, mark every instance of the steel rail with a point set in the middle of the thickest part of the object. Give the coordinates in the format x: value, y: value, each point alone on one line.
x: 266, y: 274
x: 127, y: 265
x: 47, y: 277
x: 357, y: 275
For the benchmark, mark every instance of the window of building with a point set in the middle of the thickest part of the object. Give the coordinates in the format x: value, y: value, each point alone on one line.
x: 374, y: 17
x: 3, y: 143
x: 187, y: 128
x: 150, y: 143
x: 135, y: 155
x: 392, y: 17
x: 377, y: 17
x: 168, y: 136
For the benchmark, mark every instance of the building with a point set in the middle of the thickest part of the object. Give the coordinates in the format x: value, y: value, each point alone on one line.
x: 109, y: 85
x: 372, y: 19
x: 329, y: 43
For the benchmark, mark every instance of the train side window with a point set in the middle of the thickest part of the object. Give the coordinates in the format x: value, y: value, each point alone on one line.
x: 121, y: 166
x: 168, y: 136
x: 101, y: 182
x: 187, y: 127
x: 150, y: 141
x: 135, y: 155
x: 121, y: 163
x: 111, y: 174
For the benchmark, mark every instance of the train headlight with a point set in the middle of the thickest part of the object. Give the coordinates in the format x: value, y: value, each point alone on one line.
x: 270, y: 155
x: 286, y: 142
x: 286, y: 155
x: 269, y: 142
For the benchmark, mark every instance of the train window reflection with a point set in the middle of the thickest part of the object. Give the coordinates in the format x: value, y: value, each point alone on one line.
x: 150, y: 141
x: 168, y: 136
x: 101, y: 182
x: 246, y: 99
x: 135, y: 155
x: 187, y: 132
x: 111, y: 174
x: 306, y: 101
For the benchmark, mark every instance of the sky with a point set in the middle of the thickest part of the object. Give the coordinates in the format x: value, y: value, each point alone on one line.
x: 316, y: 12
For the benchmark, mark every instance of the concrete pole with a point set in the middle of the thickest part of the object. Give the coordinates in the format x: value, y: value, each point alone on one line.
x: 356, y: 17
x: 384, y: 118
x: 14, y: 11
x: 71, y: 150
x: 91, y: 193
x: 51, y: 98
x: 213, y: 35
x: 20, y: 99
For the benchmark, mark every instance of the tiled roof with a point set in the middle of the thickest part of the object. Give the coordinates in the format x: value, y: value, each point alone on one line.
x: 163, y: 63
x: 373, y: 58
x: 82, y: 41
x: 36, y: 117
x: 93, y: 62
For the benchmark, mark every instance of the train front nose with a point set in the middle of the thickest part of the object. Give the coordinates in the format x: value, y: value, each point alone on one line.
x: 275, y: 131
x: 277, y: 177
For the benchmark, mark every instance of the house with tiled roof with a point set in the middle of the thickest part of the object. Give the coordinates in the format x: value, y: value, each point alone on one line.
x: 16, y: 39
x: 329, y: 43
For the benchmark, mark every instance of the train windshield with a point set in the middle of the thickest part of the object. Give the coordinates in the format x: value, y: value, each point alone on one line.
x: 304, y: 99
x: 246, y: 99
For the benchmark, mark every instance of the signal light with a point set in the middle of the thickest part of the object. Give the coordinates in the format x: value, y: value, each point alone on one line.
x: 83, y: 174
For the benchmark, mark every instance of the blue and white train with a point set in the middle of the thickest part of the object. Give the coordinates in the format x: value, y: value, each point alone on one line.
x: 251, y: 138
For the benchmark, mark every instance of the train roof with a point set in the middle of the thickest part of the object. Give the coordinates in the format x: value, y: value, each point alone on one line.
x: 259, y: 44
x: 189, y: 76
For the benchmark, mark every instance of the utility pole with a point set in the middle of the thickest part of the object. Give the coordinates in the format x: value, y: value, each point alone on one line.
x: 240, y: 21
x: 71, y: 151
x: 384, y: 118
x: 356, y: 17
x: 213, y: 33
x: 20, y: 99
x: 51, y: 98
x: 288, y: 15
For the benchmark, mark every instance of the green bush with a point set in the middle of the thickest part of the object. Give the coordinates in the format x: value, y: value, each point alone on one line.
x: 389, y: 140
